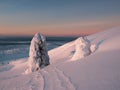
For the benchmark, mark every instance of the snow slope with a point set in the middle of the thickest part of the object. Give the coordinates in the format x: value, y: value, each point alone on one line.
x: 98, y: 71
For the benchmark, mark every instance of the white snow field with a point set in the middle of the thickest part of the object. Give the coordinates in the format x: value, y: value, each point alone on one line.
x: 98, y: 71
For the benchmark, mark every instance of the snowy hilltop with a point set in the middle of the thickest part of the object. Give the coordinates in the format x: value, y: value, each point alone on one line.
x: 38, y: 55
x: 87, y: 63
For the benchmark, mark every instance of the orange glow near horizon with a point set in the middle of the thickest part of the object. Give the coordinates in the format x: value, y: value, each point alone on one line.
x: 64, y: 29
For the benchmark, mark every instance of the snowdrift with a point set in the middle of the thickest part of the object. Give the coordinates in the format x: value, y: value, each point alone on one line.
x: 98, y: 71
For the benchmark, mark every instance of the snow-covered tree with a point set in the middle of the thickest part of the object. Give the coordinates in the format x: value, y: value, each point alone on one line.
x: 38, y: 55
x: 82, y: 48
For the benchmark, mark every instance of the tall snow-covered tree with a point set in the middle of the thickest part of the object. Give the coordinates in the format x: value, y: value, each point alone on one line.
x: 38, y: 55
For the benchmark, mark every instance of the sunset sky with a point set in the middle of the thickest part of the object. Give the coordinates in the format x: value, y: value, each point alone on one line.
x: 58, y: 17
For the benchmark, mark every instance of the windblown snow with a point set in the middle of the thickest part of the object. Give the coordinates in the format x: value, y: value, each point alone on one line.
x: 91, y: 63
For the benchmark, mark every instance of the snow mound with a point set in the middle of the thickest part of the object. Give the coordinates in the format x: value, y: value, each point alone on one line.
x: 93, y: 48
x: 82, y: 48
x: 74, y: 50
x: 38, y: 55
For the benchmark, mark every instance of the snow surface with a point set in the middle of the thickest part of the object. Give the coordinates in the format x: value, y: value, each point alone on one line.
x: 98, y: 71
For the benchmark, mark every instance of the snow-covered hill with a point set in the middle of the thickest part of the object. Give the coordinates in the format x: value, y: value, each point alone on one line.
x: 98, y: 71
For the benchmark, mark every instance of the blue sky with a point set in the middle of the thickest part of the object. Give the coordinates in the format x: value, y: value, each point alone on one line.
x: 57, y: 17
